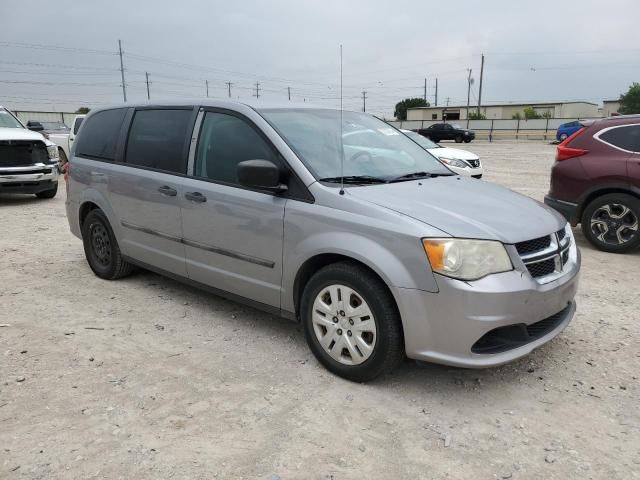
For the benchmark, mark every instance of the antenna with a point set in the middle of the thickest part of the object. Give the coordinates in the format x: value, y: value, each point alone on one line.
x: 341, y: 142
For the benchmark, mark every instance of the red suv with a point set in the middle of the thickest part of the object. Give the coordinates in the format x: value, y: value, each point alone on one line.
x: 595, y: 181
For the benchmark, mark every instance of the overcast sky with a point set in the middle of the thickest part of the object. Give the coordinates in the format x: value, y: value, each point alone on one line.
x: 534, y: 51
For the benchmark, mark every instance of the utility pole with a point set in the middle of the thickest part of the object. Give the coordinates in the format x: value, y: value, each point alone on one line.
x: 364, y: 101
x: 146, y: 74
x: 289, y: 91
x: 469, y: 81
x: 257, y: 95
x: 436, y: 102
x: 447, y: 101
x: 480, y: 87
x: 425, y: 89
x: 229, y: 87
x: 124, y: 87
x: 206, y: 84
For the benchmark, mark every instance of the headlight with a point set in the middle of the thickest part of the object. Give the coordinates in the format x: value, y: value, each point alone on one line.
x: 466, y: 259
x: 453, y: 162
x: 52, y: 150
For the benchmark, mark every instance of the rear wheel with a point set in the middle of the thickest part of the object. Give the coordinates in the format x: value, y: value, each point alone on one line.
x: 48, y: 193
x: 351, y: 322
x: 458, y: 138
x: 610, y: 222
x: 101, y: 248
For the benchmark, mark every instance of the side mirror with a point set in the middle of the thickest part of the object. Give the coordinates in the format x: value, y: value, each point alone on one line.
x: 261, y: 174
x: 35, y: 126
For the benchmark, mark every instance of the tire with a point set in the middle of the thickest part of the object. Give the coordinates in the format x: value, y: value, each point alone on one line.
x: 467, y: 140
x: 384, y: 335
x: 101, y: 248
x: 610, y: 223
x: 458, y: 138
x: 63, y: 160
x: 48, y: 193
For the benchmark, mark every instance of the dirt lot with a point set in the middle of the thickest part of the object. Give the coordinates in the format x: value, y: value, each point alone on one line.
x: 146, y: 378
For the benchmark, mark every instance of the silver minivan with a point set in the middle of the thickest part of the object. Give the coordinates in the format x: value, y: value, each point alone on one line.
x: 332, y: 219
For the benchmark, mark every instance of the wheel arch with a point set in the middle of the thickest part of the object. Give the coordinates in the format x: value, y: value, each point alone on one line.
x: 601, y: 191
x: 319, y: 261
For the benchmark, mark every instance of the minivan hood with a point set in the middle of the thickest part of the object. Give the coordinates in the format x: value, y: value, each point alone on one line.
x: 19, y: 134
x: 466, y: 208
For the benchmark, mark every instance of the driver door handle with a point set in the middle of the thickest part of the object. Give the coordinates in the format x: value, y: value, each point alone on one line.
x: 195, y: 197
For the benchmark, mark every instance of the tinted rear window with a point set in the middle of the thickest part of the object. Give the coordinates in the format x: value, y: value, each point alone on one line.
x: 157, y: 139
x: 626, y: 137
x: 76, y: 125
x: 99, y: 137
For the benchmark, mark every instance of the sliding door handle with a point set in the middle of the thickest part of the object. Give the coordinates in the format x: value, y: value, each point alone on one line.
x: 168, y: 191
x: 195, y: 197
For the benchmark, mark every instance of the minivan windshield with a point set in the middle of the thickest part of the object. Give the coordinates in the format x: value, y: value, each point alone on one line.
x: 373, y: 150
x: 8, y: 121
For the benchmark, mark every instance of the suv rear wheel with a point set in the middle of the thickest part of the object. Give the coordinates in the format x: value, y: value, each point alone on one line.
x: 351, y: 322
x: 101, y: 248
x: 610, y: 222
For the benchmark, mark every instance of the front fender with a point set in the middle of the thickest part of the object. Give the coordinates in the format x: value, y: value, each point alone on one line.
x: 397, y: 267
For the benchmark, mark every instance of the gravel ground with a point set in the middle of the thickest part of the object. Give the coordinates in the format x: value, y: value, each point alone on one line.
x: 147, y: 378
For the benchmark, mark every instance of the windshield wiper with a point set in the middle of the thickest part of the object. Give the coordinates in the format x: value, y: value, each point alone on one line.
x: 415, y: 175
x: 354, y: 179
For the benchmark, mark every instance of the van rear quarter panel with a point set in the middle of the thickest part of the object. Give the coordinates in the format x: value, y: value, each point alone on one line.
x: 385, y: 241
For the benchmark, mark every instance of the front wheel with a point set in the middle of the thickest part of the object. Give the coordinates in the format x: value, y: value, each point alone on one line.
x: 48, y: 193
x: 351, y: 322
x: 610, y: 222
x: 467, y: 140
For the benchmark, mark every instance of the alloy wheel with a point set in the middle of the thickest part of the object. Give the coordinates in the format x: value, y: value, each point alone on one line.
x: 614, y: 224
x: 344, y: 324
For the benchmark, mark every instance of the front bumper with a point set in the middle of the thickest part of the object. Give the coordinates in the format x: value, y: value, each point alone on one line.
x: 443, y: 327
x: 567, y: 209
x: 467, y: 172
x: 30, y: 179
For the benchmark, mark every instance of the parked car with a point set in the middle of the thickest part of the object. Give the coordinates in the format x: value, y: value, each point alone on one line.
x: 366, y: 239
x: 447, y: 131
x: 595, y: 181
x: 567, y: 129
x: 27, y: 160
x: 459, y: 161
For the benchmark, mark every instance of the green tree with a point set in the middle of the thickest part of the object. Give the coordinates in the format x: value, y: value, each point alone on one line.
x: 475, y: 115
x: 83, y: 110
x: 531, y: 114
x: 546, y: 114
x: 401, y: 107
x: 516, y: 116
x: 630, y: 101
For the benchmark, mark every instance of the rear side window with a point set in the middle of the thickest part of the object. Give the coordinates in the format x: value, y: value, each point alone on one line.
x: 76, y: 125
x: 99, y: 137
x: 626, y: 137
x: 157, y: 139
x: 226, y: 140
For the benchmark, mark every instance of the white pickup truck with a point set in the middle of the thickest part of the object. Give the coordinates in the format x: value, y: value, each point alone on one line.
x: 58, y: 133
x: 28, y: 161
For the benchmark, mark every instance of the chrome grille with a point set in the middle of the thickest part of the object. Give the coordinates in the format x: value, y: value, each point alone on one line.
x: 545, y: 256
x: 474, y: 163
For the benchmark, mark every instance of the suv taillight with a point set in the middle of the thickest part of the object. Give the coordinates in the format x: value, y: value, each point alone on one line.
x: 564, y: 152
